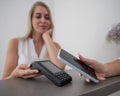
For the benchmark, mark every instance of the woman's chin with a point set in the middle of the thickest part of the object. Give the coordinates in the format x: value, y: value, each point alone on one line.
x: 42, y: 31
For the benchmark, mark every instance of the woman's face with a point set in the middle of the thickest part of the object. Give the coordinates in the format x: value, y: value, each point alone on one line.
x: 40, y: 20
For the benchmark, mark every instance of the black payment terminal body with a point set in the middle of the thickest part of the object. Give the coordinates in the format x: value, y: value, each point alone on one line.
x: 58, y: 76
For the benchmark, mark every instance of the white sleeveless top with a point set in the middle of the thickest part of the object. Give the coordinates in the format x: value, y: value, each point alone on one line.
x: 27, y: 53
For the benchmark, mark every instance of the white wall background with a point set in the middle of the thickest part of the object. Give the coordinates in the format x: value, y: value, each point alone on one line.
x: 81, y: 25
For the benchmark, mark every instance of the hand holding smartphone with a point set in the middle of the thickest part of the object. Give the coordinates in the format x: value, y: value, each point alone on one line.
x: 78, y: 65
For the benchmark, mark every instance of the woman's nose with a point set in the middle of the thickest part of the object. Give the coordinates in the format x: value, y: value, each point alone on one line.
x: 43, y: 19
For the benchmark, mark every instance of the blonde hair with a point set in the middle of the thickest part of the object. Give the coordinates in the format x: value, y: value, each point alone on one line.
x: 30, y: 28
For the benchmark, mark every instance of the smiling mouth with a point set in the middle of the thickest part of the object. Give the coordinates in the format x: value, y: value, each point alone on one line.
x: 43, y: 27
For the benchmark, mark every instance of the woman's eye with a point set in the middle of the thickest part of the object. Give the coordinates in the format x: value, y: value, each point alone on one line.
x: 44, y: 16
x: 37, y: 17
x: 47, y: 17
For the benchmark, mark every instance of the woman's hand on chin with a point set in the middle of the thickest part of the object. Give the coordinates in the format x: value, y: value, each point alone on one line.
x: 48, y: 32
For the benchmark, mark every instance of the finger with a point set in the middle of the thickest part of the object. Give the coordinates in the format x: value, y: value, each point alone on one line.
x: 87, y: 80
x: 28, y: 72
x: 80, y: 75
x: 34, y: 71
x: 82, y: 58
x: 24, y: 66
x: 30, y: 76
x: 89, y: 62
x: 101, y: 78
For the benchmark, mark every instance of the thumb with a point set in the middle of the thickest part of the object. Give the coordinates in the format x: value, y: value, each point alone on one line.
x: 82, y: 58
x: 87, y: 61
x: 24, y: 66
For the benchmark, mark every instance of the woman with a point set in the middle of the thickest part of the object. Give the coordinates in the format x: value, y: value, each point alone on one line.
x: 36, y: 45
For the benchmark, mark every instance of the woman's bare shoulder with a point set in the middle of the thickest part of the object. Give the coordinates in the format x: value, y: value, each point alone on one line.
x: 13, y: 42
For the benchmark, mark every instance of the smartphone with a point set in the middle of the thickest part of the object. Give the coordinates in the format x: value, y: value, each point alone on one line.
x: 77, y: 65
x: 58, y: 76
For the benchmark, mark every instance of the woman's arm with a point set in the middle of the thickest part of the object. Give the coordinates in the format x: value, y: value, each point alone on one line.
x: 52, y: 49
x: 12, y: 69
x: 11, y: 58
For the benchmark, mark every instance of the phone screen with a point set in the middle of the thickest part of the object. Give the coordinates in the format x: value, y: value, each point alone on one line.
x: 76, y: 63
x: 53, y: 68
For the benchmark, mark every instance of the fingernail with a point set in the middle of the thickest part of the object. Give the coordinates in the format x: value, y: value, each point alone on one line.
x: 28, y: 65
x: 87, y: 80
x: 102, y: 78
x: 36, y: 71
